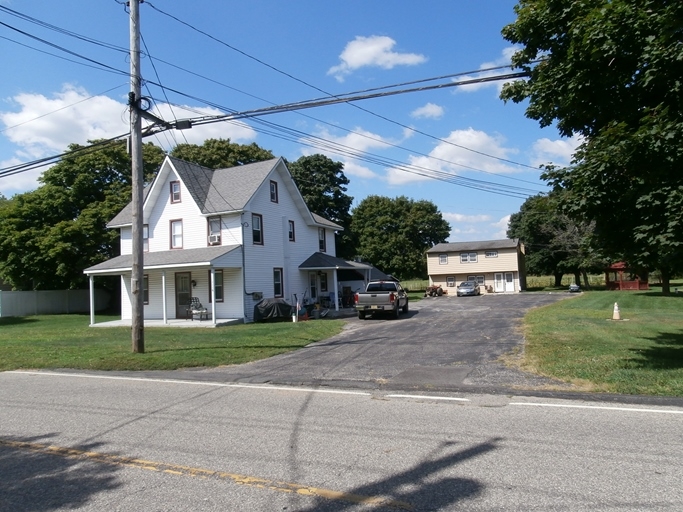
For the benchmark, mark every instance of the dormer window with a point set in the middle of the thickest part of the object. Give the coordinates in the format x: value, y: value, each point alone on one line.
x: 273, y: 191
x: 175, y: 191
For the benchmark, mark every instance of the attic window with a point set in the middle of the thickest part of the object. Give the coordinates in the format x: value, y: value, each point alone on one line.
x: 491, y: 254
x: 273, y: 191
x: 175, y: 191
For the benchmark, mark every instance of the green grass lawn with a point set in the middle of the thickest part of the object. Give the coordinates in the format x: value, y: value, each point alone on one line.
x: 576, y: 341
x: 66, y: 341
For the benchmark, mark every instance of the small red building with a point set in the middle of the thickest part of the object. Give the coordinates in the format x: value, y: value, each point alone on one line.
x: 619, y: 276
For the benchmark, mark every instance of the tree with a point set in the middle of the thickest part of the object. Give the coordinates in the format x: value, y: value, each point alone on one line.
x: 610, y: 71
x: 322, y: 184
x: 48, y: 236
x: 393, y: 234
x: 221, y: 153
x: 554, y: 243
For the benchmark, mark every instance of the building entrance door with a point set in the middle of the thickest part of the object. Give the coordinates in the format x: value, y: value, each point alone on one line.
x: 509, y: 282
x: 498, y: 285
x: 183, y: 293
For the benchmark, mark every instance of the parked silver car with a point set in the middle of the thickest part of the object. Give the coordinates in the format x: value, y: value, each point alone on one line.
x: 468, y: 288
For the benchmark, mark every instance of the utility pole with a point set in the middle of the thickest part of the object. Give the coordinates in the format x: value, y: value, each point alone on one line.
x: 137, y: 270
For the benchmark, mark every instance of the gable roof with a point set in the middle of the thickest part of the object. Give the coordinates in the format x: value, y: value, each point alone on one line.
x: 217, y: 191
x: 485, y: 245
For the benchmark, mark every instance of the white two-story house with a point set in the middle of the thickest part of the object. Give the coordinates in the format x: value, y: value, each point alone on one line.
x: 497, y: 265
x: 229, y: 237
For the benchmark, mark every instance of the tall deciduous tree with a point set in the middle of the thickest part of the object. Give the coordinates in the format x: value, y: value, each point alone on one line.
x: 48, y: 236
x: 554, y: 243
x: 611, y: 72
x: 221, y: 153
x: 323, y: 185
x: 393, y: 234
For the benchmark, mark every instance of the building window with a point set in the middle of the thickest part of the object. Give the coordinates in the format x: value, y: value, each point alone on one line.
x: 476, y: 279
x: 214, y: 230
x: 176, y: 234
x: 145, y: 289
x: 277, y: 282
x: 257, y: 228
x: 175, y: 191
x: 291, y: 231
x: 450, y: 281
x: 273, y: 191
x: 468, y: 257
x: 321, y: 240
x: 443, y: 259
x: 218, y: 276
x: 323, y: 282
x: 145, y: 237
x: 491, y: 254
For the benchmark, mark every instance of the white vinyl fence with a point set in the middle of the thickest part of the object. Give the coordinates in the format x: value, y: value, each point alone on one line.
x: 50, y: 302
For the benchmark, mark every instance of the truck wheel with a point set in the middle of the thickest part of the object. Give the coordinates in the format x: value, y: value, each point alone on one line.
x: 361, y: 315
x: 405, y: 308
x: 397, y: 311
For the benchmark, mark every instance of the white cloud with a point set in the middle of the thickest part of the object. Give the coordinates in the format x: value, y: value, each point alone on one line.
x: 459, y: 217
x: 430, y: 110
x: 357, y: 140
x: 503, y: 60
x: 450, y: 157
x: 43, y: 126
x: 502, y: 228
x: 372, y: 51
x: 558, y: 152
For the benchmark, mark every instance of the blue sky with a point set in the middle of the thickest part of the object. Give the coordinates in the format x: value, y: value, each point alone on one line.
x: 218, y: 56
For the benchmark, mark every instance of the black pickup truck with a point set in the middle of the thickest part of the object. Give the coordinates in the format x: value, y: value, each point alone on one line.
x: 381, y: 297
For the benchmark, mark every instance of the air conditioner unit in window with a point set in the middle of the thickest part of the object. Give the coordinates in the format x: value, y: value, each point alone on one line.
x: 214, y: 239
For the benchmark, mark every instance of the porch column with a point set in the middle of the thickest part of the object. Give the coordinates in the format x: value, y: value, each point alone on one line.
x: 336, y: 290
x: 163, y: 296
x: 212, y: 284
x: 91, y: 281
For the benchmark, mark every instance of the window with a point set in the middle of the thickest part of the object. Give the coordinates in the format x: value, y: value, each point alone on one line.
x: 491, y: 254
x: 214, y: 230
x: 145, y: 289
x: 443, y: 259
x: 145, y: 237
x: 321, y: 239
x: 277, y: 282
x: 291, y: 231
x: 257, y: 228
x: 476, y: 279
x: 218, y: 275
x: 175, y: 191
x: 176, y: 234
x: 450, y: 281
x: 468, y: 257
x: 323, y: 282
x: 273, y: 191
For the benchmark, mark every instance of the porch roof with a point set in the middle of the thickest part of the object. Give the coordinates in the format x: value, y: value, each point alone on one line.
x: 163, y: 259
x: 322, y: 261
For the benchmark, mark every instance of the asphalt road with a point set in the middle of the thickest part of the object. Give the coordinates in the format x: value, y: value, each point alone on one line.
x: 98, y: 442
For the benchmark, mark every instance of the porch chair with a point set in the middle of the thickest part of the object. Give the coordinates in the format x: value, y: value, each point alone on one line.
x: 195, y: 308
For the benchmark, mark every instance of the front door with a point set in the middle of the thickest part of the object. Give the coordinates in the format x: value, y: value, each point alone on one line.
x: 313, y: 287
x: 509, y: 282
x: 183, y: 293
x: 498, y: 285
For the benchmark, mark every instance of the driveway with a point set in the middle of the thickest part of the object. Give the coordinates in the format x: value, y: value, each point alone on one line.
x: 444, y: 343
